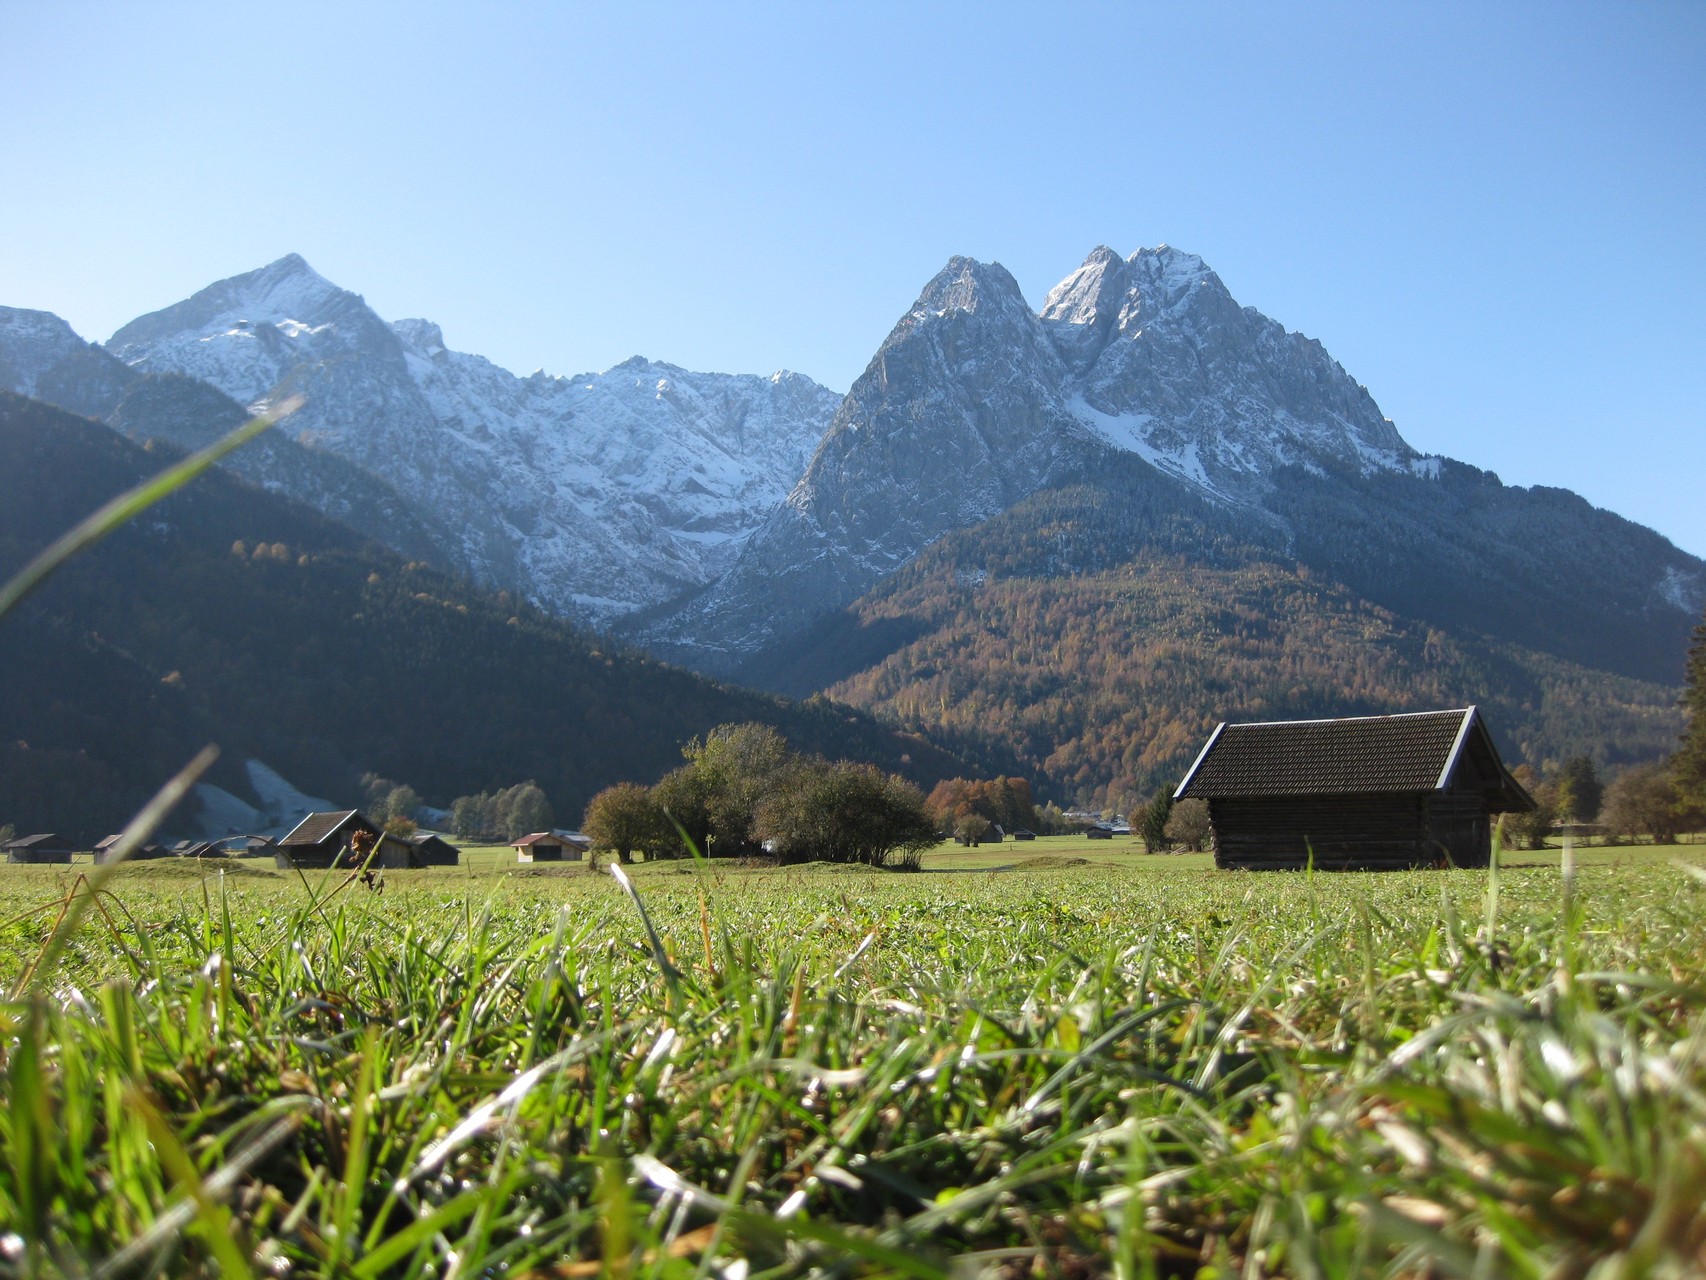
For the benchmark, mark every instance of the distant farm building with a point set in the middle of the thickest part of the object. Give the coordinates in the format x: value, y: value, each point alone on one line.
x: 46, y: 847
x: 104, y: 851
x: 433, y: 851
x: 325, y: 840
x: 1365, y: 793
x: 550, y: 846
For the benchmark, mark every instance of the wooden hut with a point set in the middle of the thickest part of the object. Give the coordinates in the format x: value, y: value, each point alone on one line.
x: 104, y: 851
x: 549, y: 846
x: 433, y: 851
x: 321, y: 839
x: 45, y: 847
x: 1364, y: 793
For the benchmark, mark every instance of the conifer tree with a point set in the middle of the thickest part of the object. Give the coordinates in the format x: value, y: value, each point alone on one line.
x: 1689, y: 764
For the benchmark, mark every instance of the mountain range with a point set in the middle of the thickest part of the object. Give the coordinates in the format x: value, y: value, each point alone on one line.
x: 1140, y: 437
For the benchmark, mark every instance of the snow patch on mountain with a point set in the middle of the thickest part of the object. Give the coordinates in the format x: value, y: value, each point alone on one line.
x: 1685, y: 591
x: 1126, y: 432
x: 280, y: 806
x: 594, y: 495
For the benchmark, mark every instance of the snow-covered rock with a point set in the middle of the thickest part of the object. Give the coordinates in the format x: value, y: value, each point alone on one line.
x: 1167, y: 364
x: 975, y: 401
x: 595, y: 495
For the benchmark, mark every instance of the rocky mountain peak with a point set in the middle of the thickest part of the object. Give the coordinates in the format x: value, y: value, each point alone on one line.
x: 966, y: 284
x: 32, y: 342
x: 1092, y: 294
x: 1084, y: 310
x: 423, y: 337
x: 243, y: 333
x: 43, y: 357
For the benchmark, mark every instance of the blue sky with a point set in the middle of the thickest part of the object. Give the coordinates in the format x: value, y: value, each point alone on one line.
x: 1494, y: 216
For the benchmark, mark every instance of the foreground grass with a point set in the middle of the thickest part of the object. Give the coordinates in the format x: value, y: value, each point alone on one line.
x: 1133, y: 1065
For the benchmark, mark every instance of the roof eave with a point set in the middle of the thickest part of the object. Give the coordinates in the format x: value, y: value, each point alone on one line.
x: 1179, y: 792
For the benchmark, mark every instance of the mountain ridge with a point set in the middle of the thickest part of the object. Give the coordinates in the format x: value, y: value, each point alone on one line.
x: 596, y: 494
x: 1146, y: 356
x: 766, y: 529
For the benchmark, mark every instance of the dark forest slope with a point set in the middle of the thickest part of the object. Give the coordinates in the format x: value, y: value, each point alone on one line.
x: 228, y: 614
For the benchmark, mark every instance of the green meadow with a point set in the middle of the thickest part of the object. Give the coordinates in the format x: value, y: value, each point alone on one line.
x: 1057, y: 1058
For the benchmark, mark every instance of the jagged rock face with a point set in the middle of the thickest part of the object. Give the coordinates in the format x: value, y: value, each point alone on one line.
x: 596, y: 495
x: 975, y: 401
x: 957, y: 417
x: 1167, y: 364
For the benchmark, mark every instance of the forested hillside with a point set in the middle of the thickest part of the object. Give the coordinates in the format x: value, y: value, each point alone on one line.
x: 228, y: 614
x: 1075, y: 633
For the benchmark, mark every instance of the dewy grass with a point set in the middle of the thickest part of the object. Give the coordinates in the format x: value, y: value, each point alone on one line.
x: 1175, y: 1073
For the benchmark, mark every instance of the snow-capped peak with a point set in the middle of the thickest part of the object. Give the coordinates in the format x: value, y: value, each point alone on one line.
x: 421, y: 336
x: 1173, y: 269
x: 1093, y: 293
x: 242, y: 333
x: 594, y: 495
x: 964, y: 284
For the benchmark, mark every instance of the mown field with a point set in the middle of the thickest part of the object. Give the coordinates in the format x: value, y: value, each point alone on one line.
x: 1097, y: 1063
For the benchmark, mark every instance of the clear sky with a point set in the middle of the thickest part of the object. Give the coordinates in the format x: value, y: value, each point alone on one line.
x: 1493, y: 215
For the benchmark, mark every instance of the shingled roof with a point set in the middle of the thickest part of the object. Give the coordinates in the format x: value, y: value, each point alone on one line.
x: 1358, y: 756
x: 314, y: 829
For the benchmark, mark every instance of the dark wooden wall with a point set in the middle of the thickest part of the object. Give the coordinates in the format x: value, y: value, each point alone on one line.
x: 1350, y: 833
x: 1459, y: 827
x: 1342, y: 832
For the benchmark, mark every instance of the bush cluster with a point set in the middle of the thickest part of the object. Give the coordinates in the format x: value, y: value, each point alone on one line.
x: 743, y: 792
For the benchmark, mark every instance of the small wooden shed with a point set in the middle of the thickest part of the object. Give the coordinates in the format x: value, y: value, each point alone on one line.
x: 321, y: 839
x: 1363, y: 793
x: 104, y: 851
x: 46, y: 847
x: 549, y: 846
x: 433, y: 851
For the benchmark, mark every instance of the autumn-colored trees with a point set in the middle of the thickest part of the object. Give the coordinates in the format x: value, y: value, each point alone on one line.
x: 1003, y: 802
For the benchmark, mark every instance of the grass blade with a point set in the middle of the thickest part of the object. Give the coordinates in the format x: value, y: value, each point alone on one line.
x: 126, y: 506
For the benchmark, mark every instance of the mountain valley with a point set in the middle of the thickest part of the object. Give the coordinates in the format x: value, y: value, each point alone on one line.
x: 1068, y: 539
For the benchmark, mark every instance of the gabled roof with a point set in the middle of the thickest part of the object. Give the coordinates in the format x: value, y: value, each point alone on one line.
x: 545, y: 837
x: 1364, y: 755
x: 46, y: 840
x: 316, y: 827
x: 108, y: 843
